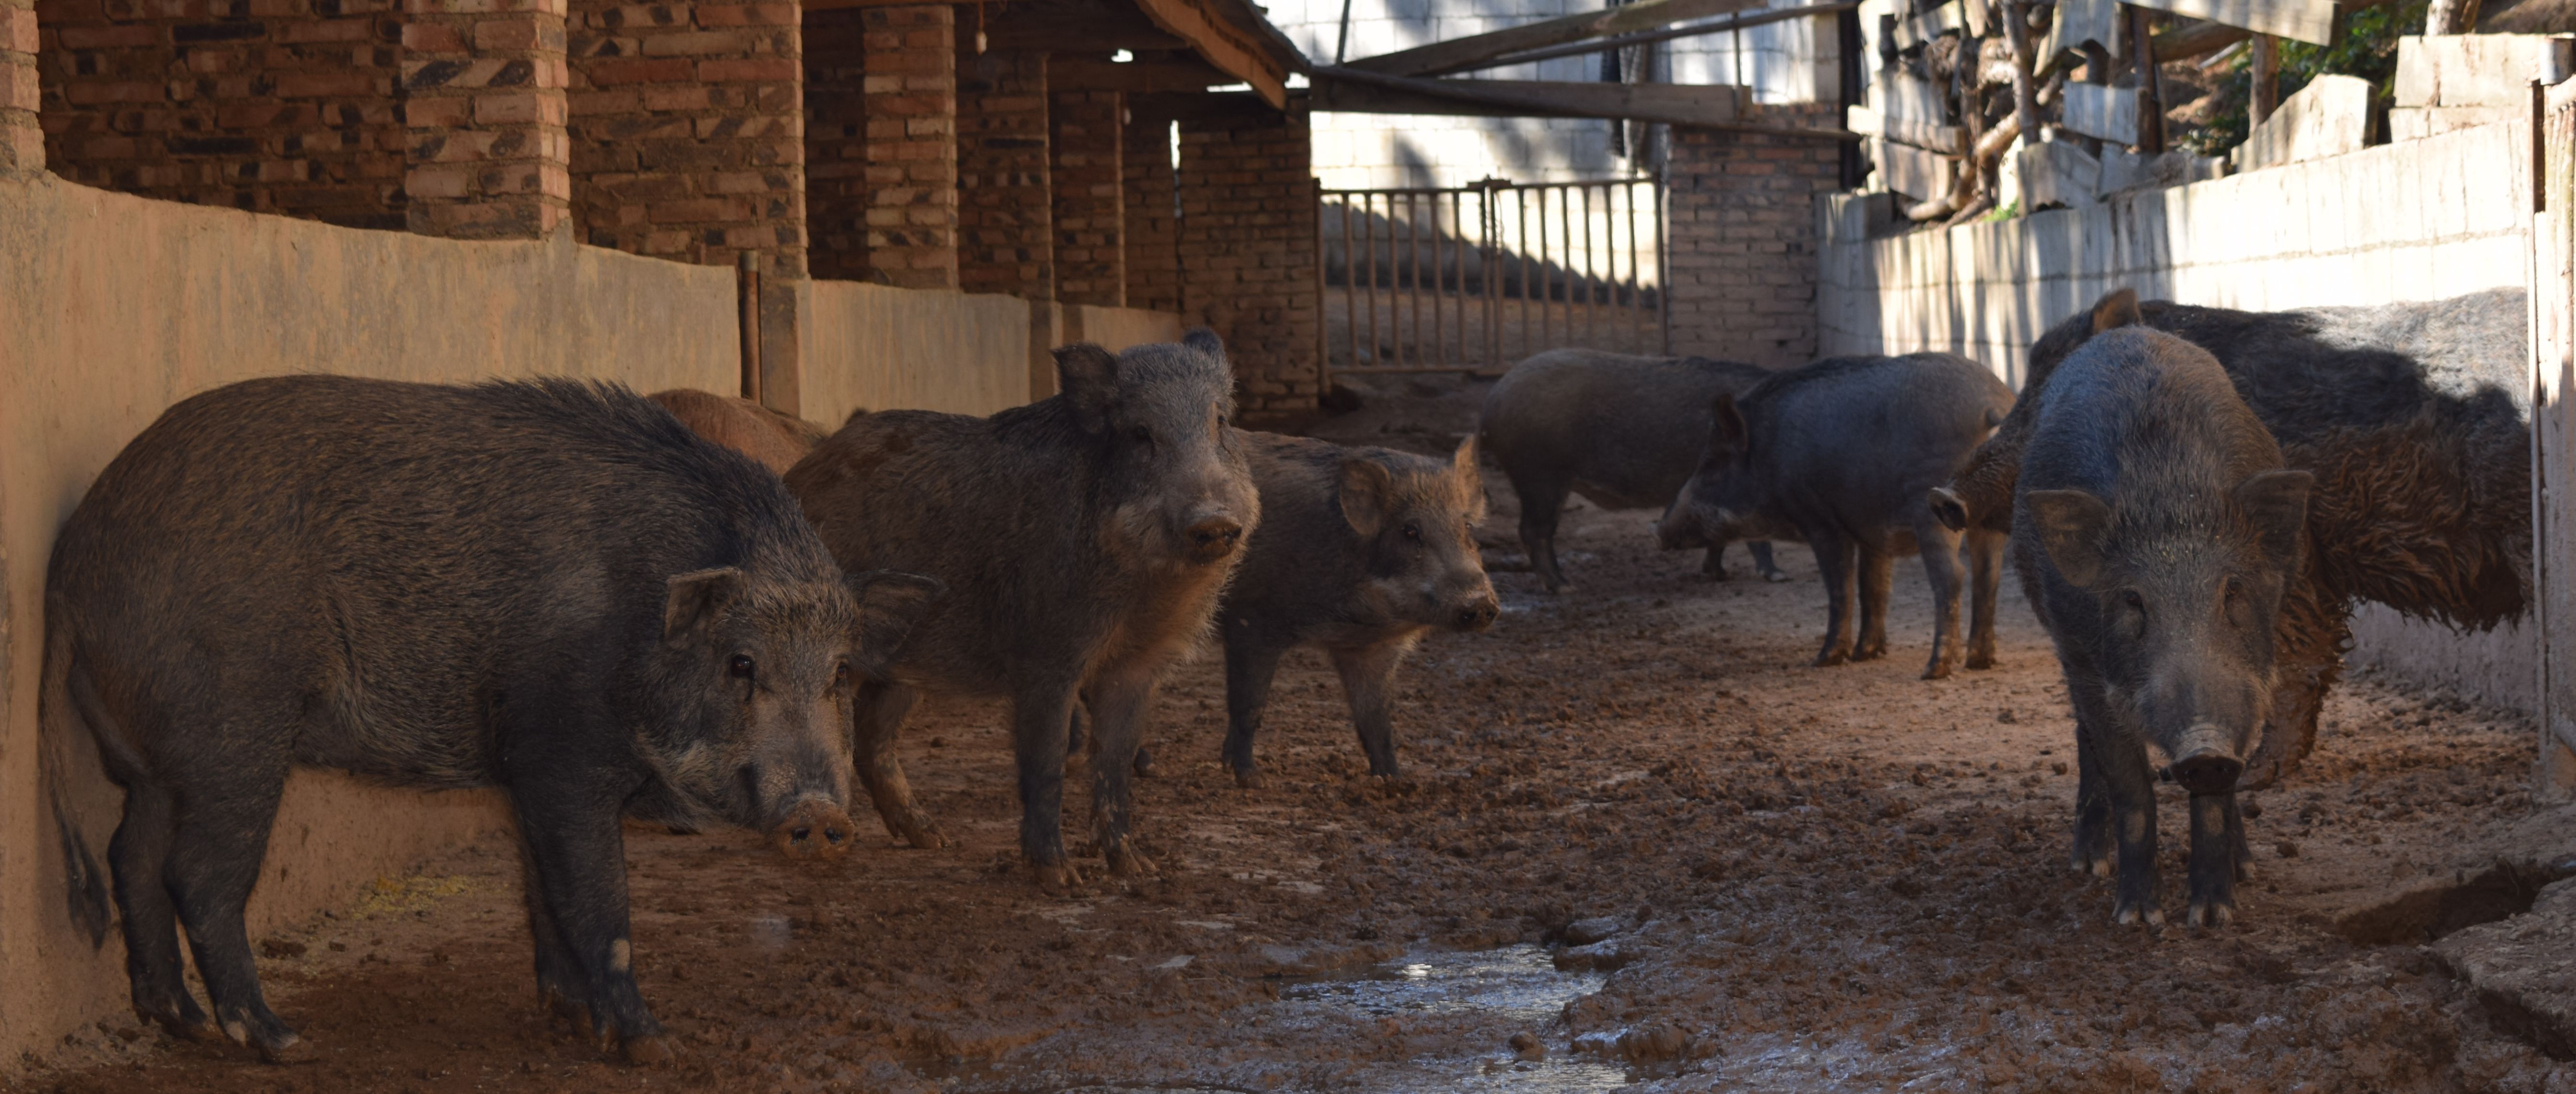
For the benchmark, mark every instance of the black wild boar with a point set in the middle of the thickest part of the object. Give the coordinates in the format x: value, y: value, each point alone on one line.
x: 548, y: 587
x: 2155, y: 531
x: 1623, y: 431
x: 2413, y: 417
x: 1084, y: 538
x: 1845, y: 450
x: 1362, y: 551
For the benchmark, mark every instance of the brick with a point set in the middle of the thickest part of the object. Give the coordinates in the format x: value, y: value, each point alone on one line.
x: 641, y: 70
x: 748, y: 69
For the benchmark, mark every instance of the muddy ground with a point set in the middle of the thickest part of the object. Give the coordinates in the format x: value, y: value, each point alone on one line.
x: 1814, y: 879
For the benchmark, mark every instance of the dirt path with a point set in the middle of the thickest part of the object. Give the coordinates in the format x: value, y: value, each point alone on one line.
x: 1843, y: 879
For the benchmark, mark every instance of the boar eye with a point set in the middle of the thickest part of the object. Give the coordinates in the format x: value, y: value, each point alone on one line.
x: 740, y: 666
x: 1413, y: 532
x: 841, y: 675
x: 1142, y: 435
x: 2135, y: 602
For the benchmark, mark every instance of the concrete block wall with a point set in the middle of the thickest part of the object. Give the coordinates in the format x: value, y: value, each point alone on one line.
x: 1741, y: 235
x: 280, y: 106
x: 1086, y: 147
x: 2416, y: 220
x: 1005, y: 218
x: 687, y: 125
x: 1247, y: 246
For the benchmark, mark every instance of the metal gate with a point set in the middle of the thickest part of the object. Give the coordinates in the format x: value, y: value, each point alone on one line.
x: 1474, y: 278
x: 2553, y: 424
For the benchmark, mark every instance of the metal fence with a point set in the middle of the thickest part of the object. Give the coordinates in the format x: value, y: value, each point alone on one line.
x: 1474, y: 278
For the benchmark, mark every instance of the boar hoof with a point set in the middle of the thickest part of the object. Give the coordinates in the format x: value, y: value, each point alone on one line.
x: 1871, y: 652
x: 1980, y: 662
x: 2209, y: 915
x: 1131, y: 864
x: 1774, y: 576
x: 1936, y: 671
x: 1248, y: 778
x: 199, y: 1029
x: 917, y: 830
x: 2128, y: 915
x: 1058, y: 878
x: 287, y: 1049
x: 1830, y: 658
x: 651, y: 1050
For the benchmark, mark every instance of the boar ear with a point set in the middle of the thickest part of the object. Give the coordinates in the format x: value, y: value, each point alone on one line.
x: 2076, y: 529
x: 1088, y: 377
x: 1729, y: 429
x: 1205, y: 341
x: 2117, y: 308
x: 1949, y: 509
x: 1365, y: 489
x: 697, y: 599
x: 891, y: 605
x: 2277, y: 503
x: 1466, y: 480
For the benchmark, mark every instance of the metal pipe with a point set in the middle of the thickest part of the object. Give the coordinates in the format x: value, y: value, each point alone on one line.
x: 747, y: 296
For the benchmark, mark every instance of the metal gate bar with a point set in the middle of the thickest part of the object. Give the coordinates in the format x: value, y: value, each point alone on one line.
x: 1470, y: 279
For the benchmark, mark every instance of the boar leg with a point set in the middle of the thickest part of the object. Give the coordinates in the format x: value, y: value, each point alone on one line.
x: 2213, y: 859
x: 576, y: 856
x: 1877, y: 580
x: 139, y: 855
x: 1834, y: 556
x: 1251, y: 659
x: 1985, y: 569
x: 1941, y: 568
x: 1039, y: 716
x: 1368, y: 682
x: 2131, y: 788
x: 1762, y: 563
x: 1713, y: 567
x: 1118, y: 701
x: 2092, y: 808
x: 222, y: 834
x: 1541, y: 499
x: 877, y: 714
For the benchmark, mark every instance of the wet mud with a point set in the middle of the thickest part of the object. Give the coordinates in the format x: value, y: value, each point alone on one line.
x: 1639, y: 844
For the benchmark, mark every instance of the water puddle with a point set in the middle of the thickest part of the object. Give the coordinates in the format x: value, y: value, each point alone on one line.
x: 1511, y: 989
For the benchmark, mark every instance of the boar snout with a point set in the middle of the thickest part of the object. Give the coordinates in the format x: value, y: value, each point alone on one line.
x: 815, y: 829
x: 1213, y: 536
x: 1478, y: 615
x: 2203, y: 762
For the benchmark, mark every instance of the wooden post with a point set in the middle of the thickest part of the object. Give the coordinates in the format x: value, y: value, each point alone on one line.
x: 2151, y: 99
x: 747, y: 297
x: 2266, y: 92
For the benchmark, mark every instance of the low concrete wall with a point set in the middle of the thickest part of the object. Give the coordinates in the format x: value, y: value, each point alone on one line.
x: 112, y: 307
x: 2419, y: 220
x: 872, y: 347
x: 1115, y: 329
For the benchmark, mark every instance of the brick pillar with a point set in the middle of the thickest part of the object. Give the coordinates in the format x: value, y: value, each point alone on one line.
x: 836, y: 145
x: 1090, y: 203
x: 1153, y: 238
x: 22, y: 143
x: 1247, y: 246
x: 1005, y: 224
x: 1740, y: 238
x: 910, y: 99
x: 483, y: 88
x: 688, y: 130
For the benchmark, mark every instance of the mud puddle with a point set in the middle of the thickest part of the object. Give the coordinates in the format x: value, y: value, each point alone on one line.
x: 1515, y: 986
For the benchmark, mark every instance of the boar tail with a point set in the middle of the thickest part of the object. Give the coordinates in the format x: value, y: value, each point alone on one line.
x: 84, y: 884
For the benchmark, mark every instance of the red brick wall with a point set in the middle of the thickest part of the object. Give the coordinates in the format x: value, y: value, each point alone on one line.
x: 1090, y: 213
x: 483, y: 104
x: 1153, y: 237
x: 836, y: 149
x: 1247, y: 245
x: 687, y: 129
x: 283, y: 106
x: 909, y: 96
x: 1005, y: 221
x: 1741, y: 238
x: 22, y: 143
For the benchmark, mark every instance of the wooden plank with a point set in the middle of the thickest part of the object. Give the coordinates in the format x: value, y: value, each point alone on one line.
x: 2328, y: 117
x: 2081, y: 21
x: 2478, y: 69
x: 1677, y: 104
x: 1949, y: 139
x: 2056, y: 173
x: 2305, y: 20
x: 1912, y: 172
x: 1230, y: 48
x: 2109, y: 113
x: 1455, y: 53
x: 1908, y: 98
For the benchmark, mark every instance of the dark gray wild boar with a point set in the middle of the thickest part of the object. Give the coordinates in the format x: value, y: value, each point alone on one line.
x: 774, y: 439
x: 1621, y: 430
x: 1846, y: 450
x: 1362, y: 551
x: 2155, y: 531
x: 548, y: 587
x: 1084, y: 538
x: 2414, y: 417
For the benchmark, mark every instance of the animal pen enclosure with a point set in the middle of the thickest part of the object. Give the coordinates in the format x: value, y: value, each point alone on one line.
x: 1470, y: 279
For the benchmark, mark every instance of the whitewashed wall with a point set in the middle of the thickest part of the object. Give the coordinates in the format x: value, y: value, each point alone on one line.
x: 1787, y: 62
